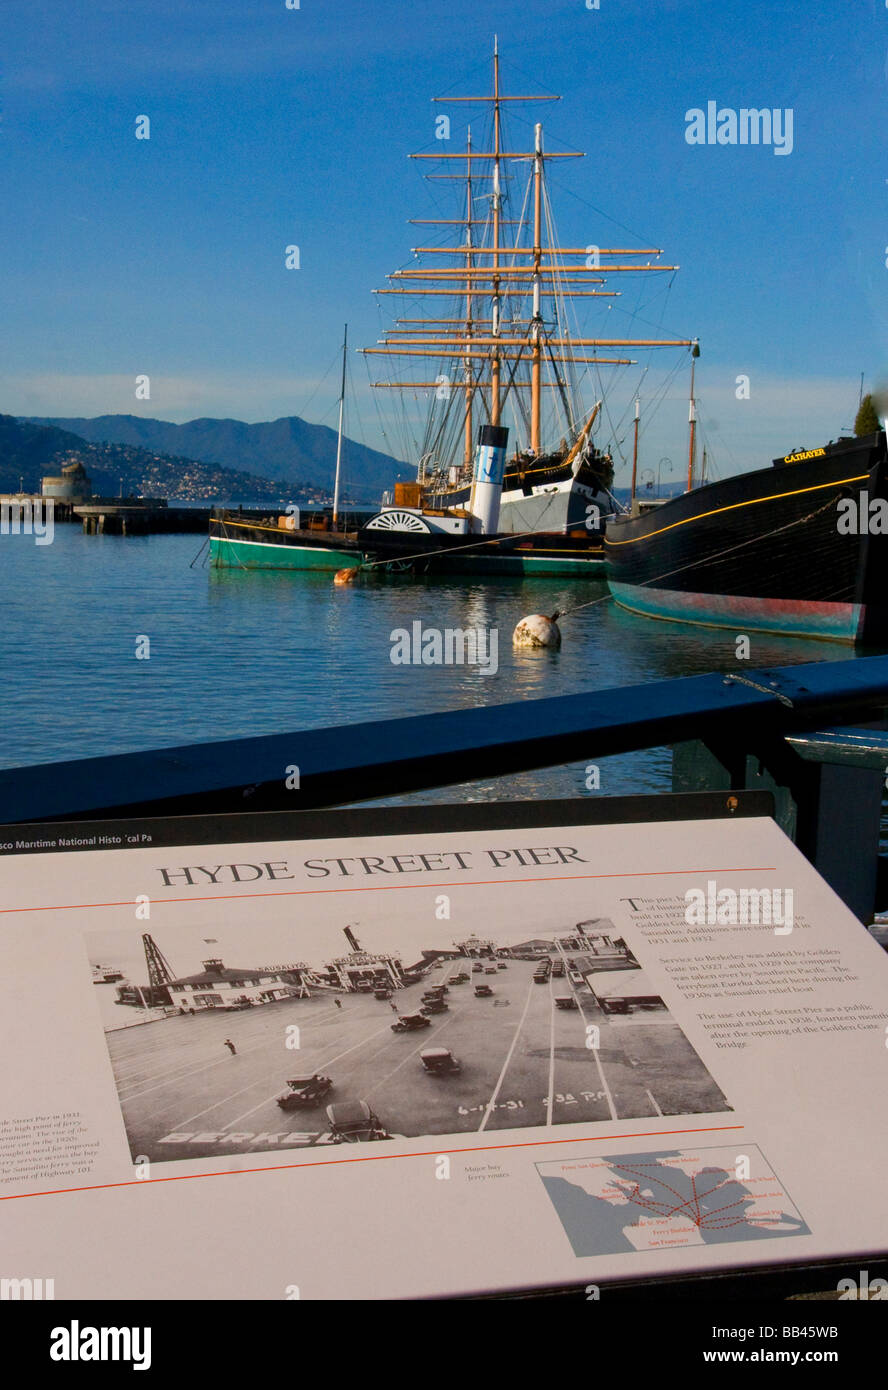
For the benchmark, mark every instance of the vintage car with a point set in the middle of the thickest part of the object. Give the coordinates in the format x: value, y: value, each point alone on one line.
x: 406, y: 1023
x: 305, y: 1091
x: 439, y: 1061
x: 614, y: 1006
x: 565, y: 1001
x: 490, y: 970
x: 435, y: 1006
x: 483, y: 991
x: 477, y: 967
x: 382, y: 994
x: 353, y: 1122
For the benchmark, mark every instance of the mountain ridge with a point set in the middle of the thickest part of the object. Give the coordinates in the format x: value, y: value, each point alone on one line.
x: 289, y: 448
x: 29, y: 451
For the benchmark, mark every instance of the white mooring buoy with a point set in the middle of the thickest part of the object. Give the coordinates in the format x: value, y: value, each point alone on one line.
x: 537, y: 631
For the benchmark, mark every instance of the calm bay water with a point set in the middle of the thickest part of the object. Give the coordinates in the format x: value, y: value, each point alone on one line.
x: 235, y: 654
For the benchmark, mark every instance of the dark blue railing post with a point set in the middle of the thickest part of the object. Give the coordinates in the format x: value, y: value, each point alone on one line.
x: 828, y: 788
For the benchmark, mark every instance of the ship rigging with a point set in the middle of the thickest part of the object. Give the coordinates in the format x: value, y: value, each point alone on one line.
x: 498, y: 343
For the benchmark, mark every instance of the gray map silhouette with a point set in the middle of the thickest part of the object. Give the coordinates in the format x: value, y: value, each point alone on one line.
x: 721, y: 1206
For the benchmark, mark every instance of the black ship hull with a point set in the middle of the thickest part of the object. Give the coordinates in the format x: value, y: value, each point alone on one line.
x: 540, y: 555
x: 796, y: 549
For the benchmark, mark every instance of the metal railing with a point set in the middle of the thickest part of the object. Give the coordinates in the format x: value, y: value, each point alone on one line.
x: 785, y: 730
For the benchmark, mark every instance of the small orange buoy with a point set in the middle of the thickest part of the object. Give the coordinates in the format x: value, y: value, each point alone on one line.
x: 346, y: 576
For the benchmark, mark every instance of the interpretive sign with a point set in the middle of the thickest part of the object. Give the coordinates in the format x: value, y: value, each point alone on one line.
x: 503, y: 1047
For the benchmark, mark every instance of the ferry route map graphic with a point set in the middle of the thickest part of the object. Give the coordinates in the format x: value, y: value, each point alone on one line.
x: 668, y: 1200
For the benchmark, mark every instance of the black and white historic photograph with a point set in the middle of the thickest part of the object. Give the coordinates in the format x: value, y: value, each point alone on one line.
x: 237, y: 1041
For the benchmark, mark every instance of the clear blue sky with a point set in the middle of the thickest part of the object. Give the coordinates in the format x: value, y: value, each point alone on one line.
x: 271, y: 126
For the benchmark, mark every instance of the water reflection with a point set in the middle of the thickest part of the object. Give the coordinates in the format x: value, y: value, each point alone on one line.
x: 236, y: 653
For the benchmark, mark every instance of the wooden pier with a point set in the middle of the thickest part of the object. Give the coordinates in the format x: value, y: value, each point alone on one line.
x: 139, y: 516
x: 146, y: 516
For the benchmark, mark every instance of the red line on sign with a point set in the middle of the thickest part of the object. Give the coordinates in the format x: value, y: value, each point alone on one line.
x: 372, y: 1158
x: 396, y: 887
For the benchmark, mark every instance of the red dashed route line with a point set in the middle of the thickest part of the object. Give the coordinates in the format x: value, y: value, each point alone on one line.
x: 684, y: 1204
x: 646, y: 1177
x: 399, y: 887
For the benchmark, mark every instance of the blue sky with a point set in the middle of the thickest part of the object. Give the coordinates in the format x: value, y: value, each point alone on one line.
x: 272, y: 126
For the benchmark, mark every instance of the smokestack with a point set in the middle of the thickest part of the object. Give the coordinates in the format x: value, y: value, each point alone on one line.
x: 487, y: 480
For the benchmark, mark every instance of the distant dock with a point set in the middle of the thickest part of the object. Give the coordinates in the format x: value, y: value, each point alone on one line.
x: 139, y: 516
x: 145, y: 516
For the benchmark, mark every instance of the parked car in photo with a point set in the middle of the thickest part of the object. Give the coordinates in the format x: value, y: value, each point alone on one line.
x: 565, y: 1001
x: 501, y: 965
x: 353, y: 1122
x: 382, y: 994
x: 483, y: 991
x: 305, y: 1091
x: 407, y: 1023
x: 477, y: 967
x: 439, y: 1061
x: 435, y: 1006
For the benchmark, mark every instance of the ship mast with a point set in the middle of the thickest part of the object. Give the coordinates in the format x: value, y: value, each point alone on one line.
x: 339, y: 440
x: 692, y: 416
x: 635, y: 451
x: 519, y: 275
x: 468, y: 369
x: 496, y: 307
x: 536, y: 328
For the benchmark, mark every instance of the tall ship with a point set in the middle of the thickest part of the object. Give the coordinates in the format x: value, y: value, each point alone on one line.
x: 798, y: 549
x: 500, y: 391
x: 490, y: 338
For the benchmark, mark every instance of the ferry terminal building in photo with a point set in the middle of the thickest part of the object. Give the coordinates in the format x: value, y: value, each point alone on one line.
x: 219, y: 987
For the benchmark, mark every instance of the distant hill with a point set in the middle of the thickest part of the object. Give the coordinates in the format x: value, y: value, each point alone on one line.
x: 28, y: 451
x: 290, y: 448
